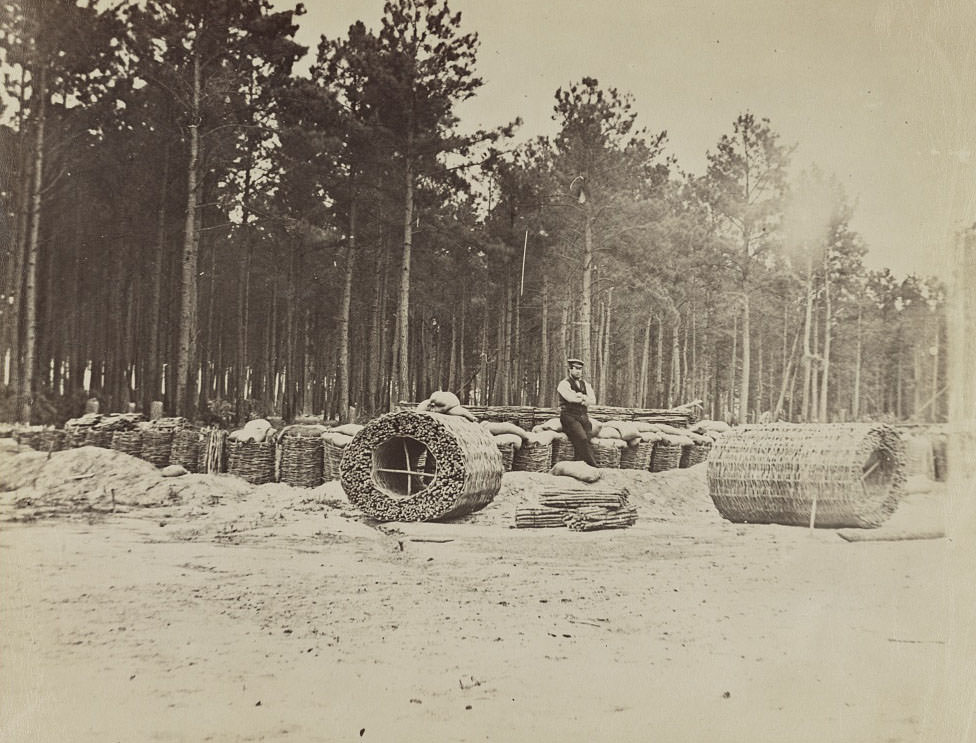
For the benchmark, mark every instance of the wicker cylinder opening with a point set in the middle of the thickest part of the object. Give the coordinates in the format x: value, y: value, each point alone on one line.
x: 253, y: 461
x: 637, y: 457
x: 409, y: 466
x: 830, y: 475
x: 187, y: 449
x: 665, y: 457
x: 533, y: 456
x: 128, y: 442
x: 302, y: 461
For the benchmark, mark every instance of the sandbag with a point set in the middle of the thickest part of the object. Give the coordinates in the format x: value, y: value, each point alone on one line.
x: 607, y: 432
x: 463, y: 412
x: 496, y: 428
x: 577, y: 469
x: 508, y: 438
x: 348, y: 429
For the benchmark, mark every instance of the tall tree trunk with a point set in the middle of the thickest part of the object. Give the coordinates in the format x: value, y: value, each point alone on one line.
x: 805, y: 410
x: 188, y: 289
x: 403, y: 310
x: 788, y: 363
x: 828, y: 318
x: 152, y: 381
x: 746, y: 359
x: 344, y: 307
x: 244, y: 297
x: 659, y: 366
x: 452, y: 359
x: 644, y: 365
x: 33, y: 247
x: 856, y: 401
x: 542, y: 393
x: 585, y: 298
x: 735, y: 361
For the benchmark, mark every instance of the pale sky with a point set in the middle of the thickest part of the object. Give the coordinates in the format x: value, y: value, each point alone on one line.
x: 880, y: 93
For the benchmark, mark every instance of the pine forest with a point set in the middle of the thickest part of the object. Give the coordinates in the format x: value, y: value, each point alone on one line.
x: 196, y: 209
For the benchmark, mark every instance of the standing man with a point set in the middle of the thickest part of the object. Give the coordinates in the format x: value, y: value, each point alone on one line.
x: 575, y: 396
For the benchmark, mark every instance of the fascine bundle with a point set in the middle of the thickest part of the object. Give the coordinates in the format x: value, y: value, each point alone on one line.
x: 579, y: 509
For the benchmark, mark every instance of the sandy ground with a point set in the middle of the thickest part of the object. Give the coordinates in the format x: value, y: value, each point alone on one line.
x: 140, y: 608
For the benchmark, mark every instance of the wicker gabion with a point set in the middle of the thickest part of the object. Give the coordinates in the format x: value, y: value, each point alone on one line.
x: 606, y: 457
x: 382, y: 474
x: 563, y: 451
x: 507, y: 450
x: 187, y: 449
x: 533, y: 456
x: 830, y: 475
x: 127, y: 442
x: 253, y: 461
x: 156, y: 446
x: 666, y: 456
x: 302, y: 460
x: 637, y: 457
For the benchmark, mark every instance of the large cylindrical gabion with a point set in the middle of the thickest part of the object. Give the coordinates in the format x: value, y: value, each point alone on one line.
x: 831, y: 475
x: 410, y: 466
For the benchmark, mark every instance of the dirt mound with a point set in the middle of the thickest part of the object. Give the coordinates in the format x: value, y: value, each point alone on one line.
x: 672, y: 495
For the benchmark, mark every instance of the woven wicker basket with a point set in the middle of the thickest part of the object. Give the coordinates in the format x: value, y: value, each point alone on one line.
x: 128, y: 442
x: 187, y: 449
x: 331, y: 456
x: 382, y: 474
x: 253, y: 461
x: 698, y: 454
x: 637, y: 457
x: 156, y: 446
x: 508, y: 454
x: 665, y: 457
x: 96, y: 437
x: 302, y: 460
x: 562, y: 451
x: 74, y: 438
x: 533, y: 456
x: 30, y: 438
x: 606, y: 457
x: 828, y: 475
x: 51, y: 440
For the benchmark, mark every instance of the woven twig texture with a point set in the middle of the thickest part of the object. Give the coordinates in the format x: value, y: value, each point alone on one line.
x: 835, y: 475
x: 408, y: 466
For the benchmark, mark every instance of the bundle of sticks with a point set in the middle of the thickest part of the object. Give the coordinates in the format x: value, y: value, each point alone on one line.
x: 592, y: 518
x: 580, y: 509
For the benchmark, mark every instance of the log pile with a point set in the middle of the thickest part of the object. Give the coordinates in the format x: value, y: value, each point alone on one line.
x: 527, y: 416
x: 410, y: 466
